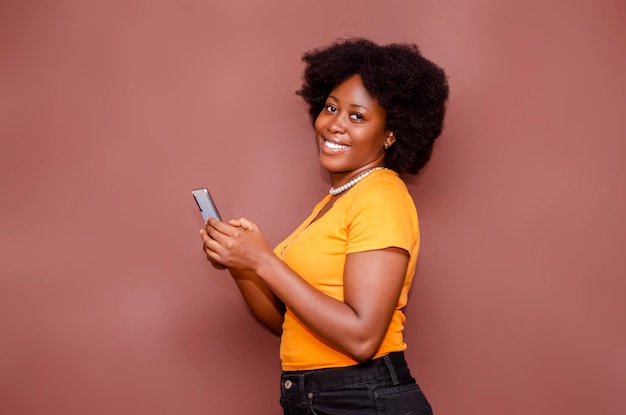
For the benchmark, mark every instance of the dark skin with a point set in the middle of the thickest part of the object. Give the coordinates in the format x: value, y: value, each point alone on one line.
x: 354, y: 125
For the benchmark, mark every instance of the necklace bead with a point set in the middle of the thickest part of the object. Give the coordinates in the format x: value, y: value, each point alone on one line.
x: 335, y: 191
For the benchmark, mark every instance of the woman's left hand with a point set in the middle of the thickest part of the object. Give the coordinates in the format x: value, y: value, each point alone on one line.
x: 238, y: 244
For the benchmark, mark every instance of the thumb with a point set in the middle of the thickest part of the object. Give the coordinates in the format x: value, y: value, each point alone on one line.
x: 246, y: 224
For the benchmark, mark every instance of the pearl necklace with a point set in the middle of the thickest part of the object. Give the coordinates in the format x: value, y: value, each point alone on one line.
x: 352, y: 182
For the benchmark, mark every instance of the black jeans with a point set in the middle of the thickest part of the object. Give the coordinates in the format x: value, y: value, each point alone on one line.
x: 383, y: 386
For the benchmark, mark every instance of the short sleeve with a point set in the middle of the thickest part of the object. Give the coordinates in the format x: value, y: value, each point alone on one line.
x: 381, y: 214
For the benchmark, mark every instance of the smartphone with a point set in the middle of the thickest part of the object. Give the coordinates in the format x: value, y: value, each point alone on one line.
x: 205, y: 204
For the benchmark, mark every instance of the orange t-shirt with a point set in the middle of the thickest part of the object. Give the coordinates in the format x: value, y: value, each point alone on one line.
x: 376, y: 213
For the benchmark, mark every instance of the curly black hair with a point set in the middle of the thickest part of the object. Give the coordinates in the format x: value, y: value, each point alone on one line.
x: 412, y: 90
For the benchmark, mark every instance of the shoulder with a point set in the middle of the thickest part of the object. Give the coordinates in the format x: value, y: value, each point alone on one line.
x: 383, y: 185
x: 382, y: 192
x: 381, y: 213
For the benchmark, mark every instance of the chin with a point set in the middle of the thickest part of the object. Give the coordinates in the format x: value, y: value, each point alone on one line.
x: 330, y: 167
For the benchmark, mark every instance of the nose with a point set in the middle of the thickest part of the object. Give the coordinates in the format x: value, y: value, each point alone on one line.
x: 336, y: 124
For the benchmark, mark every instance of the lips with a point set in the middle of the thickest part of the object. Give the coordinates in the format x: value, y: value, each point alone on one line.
x: 334, y: 146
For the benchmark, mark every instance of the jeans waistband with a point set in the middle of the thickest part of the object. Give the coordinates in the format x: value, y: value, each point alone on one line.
x: 387, y: 365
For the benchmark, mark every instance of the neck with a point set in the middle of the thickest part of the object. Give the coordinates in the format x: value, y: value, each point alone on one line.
x: 340, y: 178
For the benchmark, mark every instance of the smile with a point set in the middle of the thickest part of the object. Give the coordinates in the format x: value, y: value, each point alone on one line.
x: 334, y: 146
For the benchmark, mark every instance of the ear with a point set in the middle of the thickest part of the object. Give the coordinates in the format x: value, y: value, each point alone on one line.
x: 389, y: 140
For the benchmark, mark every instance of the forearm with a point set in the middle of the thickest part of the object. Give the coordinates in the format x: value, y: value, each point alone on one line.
x: 355, y: 325
x: 264, y: 305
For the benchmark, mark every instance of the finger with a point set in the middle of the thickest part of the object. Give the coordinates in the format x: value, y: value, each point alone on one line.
x: 209, y: 244
x: 204, y: 235
x: 217, y: 265
x: 216, y: 231
x: 214, y: 262
x: 213, y: 256
x: 211, y: 223
x: 216, y: 227
x: 247, y: 224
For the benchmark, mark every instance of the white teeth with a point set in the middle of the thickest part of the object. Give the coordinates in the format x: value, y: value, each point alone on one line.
x: 334, y: 146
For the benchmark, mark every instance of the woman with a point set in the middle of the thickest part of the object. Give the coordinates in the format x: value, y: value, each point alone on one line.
x: 334, y: 290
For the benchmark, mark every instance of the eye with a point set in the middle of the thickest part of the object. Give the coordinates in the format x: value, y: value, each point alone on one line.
x: 356, y: 116
x: 330, y: 108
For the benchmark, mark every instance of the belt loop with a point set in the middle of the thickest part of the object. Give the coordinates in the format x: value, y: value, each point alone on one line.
x: 301, y: 387
x: 392, y: 371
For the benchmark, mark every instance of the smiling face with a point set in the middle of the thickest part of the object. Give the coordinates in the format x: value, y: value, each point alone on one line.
x: 350, y: 131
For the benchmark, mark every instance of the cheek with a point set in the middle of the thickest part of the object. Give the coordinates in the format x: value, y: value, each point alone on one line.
x: 373, y: 142
x: 318, y: 123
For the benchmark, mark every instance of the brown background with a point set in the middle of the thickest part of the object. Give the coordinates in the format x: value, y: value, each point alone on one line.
x: 112, y: 111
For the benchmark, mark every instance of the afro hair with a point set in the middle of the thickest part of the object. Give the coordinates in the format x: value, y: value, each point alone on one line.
x: 412, y: 90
